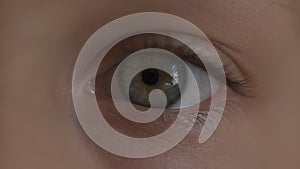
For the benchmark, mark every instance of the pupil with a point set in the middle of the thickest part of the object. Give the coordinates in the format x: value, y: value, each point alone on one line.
x: 150, y: 76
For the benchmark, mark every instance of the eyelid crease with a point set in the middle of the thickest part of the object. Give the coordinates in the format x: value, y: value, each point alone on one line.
x: 240, y: 80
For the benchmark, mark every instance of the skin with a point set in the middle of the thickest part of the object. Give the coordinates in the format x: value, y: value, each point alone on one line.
x: 41, y: 41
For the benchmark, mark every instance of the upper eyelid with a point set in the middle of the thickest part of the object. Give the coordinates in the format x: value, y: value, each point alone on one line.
x: 233, y: 82
x: 185, y: 49
x: 188, y: 54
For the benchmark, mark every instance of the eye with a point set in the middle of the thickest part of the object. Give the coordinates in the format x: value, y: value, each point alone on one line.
x: 183, y: 73
x: 150, y: 53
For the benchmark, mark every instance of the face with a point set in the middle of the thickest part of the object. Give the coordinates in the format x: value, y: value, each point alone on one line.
x: 256, y: 41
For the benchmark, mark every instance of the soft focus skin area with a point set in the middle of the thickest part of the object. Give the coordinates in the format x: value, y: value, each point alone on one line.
x: 40, y: 42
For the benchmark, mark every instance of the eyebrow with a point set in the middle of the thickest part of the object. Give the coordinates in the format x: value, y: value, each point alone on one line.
x: 289, y: 6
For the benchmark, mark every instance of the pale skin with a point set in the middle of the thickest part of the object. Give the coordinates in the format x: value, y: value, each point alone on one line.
x: 41, y: 41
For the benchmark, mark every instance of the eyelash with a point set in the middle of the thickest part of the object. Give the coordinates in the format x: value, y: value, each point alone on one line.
x: 241, y: 85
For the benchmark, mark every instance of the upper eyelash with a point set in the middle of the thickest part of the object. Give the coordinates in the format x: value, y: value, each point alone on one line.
x: 241, y: 85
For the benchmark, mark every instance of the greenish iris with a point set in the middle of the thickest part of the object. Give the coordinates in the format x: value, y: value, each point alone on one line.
x: 149, y: 79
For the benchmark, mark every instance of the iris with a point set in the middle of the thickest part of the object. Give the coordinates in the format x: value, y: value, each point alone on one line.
x: 149, y: 79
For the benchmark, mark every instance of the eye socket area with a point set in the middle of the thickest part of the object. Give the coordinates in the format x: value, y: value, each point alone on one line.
x: 118, y: 53
x: 102, y: 52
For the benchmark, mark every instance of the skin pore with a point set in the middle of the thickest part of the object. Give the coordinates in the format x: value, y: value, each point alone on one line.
x: 40, y: 44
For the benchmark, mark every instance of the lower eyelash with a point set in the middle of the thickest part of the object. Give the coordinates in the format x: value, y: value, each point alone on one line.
x: 200, y: 117
x: 229, y: 115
